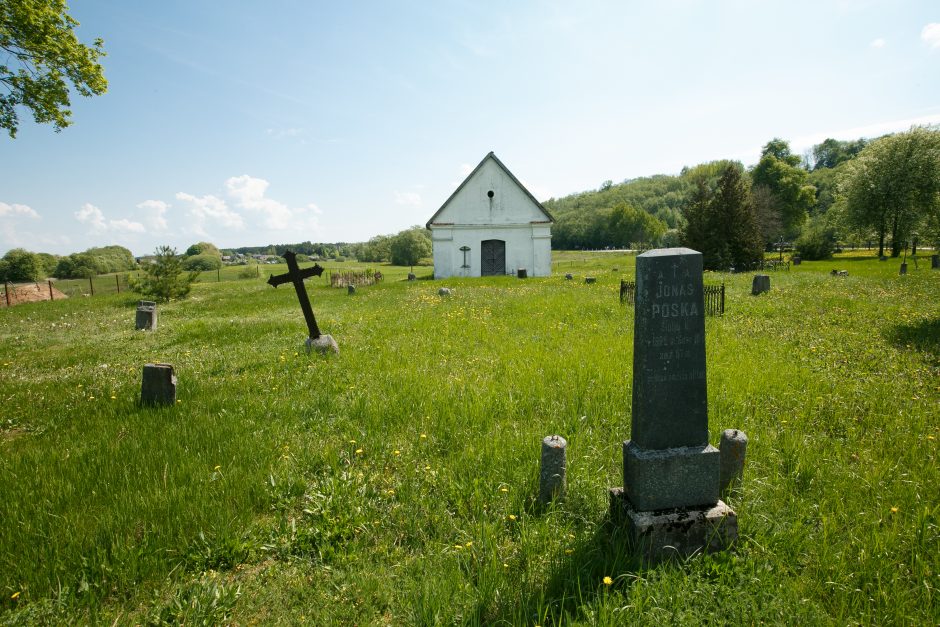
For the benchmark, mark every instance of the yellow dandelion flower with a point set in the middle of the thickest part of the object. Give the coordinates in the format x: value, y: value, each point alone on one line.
x: 505, y: 565
x: 894, y: 510
x: 427, y: 468
x: 504, y: 489
x: 423, y: 437
x: 608, y: 581
x: 468, y: 544
x: 512, y: 517
x: 113, y: 397
x: 569, y: 551
x: 217, y: 468
x: 352, y: 441
x: 15, y: 596
x: 91, y: 398
x: 458, y: 546
x: 358, y: 451
x: 397, y: 452
x: 930, y: 437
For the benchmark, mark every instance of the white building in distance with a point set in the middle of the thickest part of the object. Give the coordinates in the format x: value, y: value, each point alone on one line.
x: 491, y: 225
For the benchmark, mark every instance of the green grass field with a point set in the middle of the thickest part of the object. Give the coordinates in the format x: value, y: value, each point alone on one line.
x: 393, y: 484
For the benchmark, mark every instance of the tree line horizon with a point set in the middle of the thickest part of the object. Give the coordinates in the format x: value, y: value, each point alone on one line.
x: 885, y: 191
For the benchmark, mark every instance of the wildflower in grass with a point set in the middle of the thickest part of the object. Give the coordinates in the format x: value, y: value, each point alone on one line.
x: 569, y: 551
x: 358, y: 451
x: 512, y: 517
x: 930, y: 437
x: 217, y: 468
x: 352, y: 441
x: 458, y: 547
x: 608, y: 581
x: 15, y: 596
x: 468, y: 544
x: 505, y: 565
x: 894, y: 510
x: 397, y: 452
x: 113, y: 397
x: 91, y: 398
x: 504, y: 489
x: 427, y: 468
x: 423, y: 436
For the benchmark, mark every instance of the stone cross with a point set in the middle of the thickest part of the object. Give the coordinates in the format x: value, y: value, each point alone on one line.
x: 296, y: 276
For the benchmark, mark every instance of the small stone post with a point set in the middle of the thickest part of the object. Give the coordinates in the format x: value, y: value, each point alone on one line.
x: 146, y: 315
x: 590, y: 279
x: 444, y: 291
x: 934, y: 262
x: 797, y: 260
x: 158, y: 386
x: 761, y: 284
x: 412, y: 277
x: 903, y: 268
x: 552, y: 482
x: 522, y: 273
x: 350, y: 289
x: 733, y: 448
x: 568, y: 276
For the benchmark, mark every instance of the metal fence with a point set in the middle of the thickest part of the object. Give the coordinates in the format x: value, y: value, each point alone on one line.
x: 714, y: 296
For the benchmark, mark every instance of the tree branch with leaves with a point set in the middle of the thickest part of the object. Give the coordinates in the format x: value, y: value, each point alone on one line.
x: 44, y: 62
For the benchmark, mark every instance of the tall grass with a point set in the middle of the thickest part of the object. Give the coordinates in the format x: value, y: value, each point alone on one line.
x: 394, y: 483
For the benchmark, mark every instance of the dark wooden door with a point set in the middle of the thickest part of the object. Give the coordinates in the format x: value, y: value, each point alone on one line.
x: 492, y: 257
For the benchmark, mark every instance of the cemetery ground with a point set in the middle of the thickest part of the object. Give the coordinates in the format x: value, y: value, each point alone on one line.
x: 393, y: 483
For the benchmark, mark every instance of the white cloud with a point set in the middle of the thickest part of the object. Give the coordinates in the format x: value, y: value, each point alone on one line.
x: 9, y: 211
x: 209, y: 209
x: 156, y: 218
x: 248, y: 193
x: 409, y: 199
x: 877, y: 43
x: 931, y: 34
x: 93, y: 217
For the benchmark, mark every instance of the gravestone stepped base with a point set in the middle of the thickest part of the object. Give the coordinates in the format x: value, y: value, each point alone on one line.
x: 675, y: 477
x: 323, y: 345
x: 659, y: 535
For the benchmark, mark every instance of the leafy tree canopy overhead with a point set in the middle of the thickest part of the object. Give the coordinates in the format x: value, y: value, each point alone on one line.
x: 41, y: 57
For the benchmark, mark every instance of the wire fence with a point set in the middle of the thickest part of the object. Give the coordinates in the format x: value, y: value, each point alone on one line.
x: 714, y: 296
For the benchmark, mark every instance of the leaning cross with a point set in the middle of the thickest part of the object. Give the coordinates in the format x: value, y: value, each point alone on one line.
x: 296, y: 276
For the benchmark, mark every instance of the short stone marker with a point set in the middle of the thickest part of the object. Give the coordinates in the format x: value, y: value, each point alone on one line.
x: 412, y: 277
x: 444, y: 291
x: 554, y: 466
x: 903, y: 270
x: 350, y: 289
x: 316, y: 341
x: 797, y: 260
x: 670, y: 499
x: 760, y: 284
x: 590, y: 279
x: 568, y: 276
x: 733, y: 449
x: 158, y: 386
x: 934, y: 262
x: 882, y: 258
x: 522, y: 273
x: 146, y: 315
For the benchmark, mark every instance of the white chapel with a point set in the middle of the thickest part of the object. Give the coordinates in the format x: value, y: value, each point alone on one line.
x: 491, y: 225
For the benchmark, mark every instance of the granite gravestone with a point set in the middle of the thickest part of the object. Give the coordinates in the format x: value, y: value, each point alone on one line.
x: 668, y: 464
x: 158, y: 385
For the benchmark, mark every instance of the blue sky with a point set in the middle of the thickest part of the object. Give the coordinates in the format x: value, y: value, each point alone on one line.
x: 249, y: 123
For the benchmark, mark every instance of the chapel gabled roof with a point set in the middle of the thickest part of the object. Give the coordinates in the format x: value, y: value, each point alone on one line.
x: 490, y: 155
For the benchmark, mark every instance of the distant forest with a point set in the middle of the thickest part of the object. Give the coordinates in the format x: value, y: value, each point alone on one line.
x: 650, y: 211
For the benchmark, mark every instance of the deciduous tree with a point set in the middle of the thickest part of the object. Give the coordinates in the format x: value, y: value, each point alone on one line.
x: 893, y: 186
x: 41, y: 57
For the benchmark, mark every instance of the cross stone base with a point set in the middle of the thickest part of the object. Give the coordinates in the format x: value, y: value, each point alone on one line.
x: 323, y: 344
x: 675, y: 532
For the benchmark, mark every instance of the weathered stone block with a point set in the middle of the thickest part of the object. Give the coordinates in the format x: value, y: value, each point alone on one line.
x: 323, y: 344
x: 678, y: 477
x: 158, y: 386
x: 675, y: 533
x: 568, y: 276
x: 934, y: 262
x: 350, y: 289
x: 444, y: 291
x: 590, y: 279
x: 522, y: 273
x: 552, y: 480
x: 733, y: 449
x: 146, y: 318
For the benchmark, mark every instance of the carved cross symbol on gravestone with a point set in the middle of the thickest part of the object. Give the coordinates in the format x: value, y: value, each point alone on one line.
x: 296, y: 276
